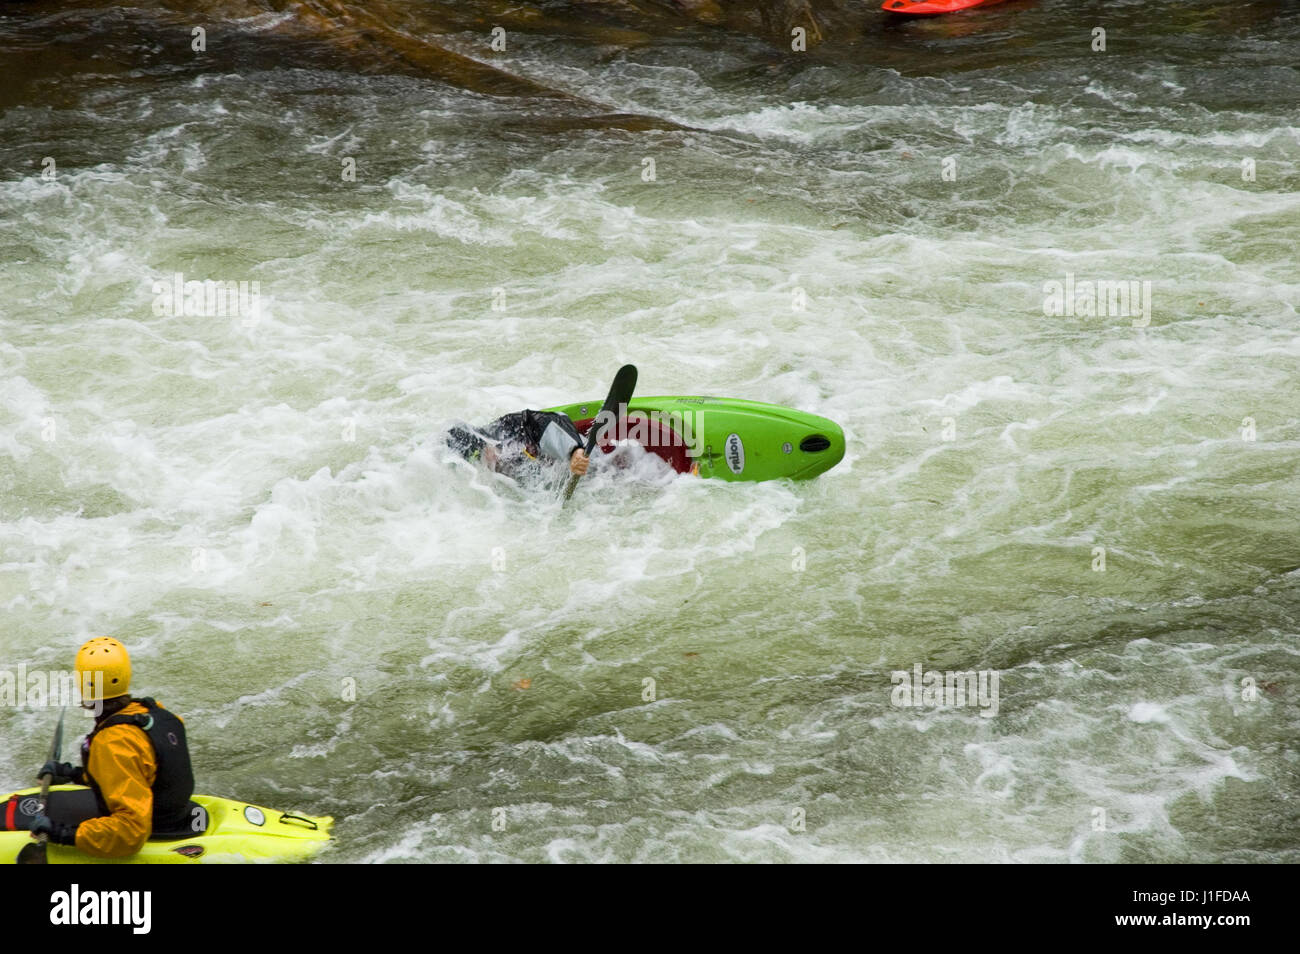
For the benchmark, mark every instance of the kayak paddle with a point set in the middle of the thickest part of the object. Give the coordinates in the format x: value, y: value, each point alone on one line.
x: 34, y: 852
x: 620, y: 392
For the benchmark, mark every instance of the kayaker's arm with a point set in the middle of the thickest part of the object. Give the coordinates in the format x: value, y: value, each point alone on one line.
x: 561, y: 441
x: 61, y: 773
x: 57, y: 832
x: 123, y: 764
x: 559, y: 438
x: 522, y: 435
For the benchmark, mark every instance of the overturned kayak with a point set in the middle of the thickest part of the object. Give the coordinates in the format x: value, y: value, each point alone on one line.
x: 726, y: 438
x: 930, y: 7
x: 229, y: 831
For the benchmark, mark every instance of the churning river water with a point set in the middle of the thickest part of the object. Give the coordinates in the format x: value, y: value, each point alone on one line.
x: 1098, y: 506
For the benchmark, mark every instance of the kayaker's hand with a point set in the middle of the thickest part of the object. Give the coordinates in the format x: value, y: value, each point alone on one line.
x: 61, y: 773
x: 578, y: 462
x: 56, y: 832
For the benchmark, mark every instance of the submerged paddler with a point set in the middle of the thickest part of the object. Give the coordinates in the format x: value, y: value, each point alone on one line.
x: 527, y: 446
x: 135, y: 760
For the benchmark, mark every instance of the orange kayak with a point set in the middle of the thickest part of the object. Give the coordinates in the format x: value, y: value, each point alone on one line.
x: 929, y: 7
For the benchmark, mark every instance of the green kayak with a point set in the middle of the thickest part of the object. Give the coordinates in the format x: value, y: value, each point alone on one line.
x: 727, y: 438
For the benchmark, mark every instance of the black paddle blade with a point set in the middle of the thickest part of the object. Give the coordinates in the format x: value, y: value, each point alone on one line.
x: 620, y: 393
x: 32, y: 854
x: 57, y: 748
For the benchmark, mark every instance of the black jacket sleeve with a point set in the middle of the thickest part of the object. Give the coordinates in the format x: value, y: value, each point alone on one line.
x: 553, y: 434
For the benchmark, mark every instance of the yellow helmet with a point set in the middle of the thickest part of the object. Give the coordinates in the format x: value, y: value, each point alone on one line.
x: 103, y: 669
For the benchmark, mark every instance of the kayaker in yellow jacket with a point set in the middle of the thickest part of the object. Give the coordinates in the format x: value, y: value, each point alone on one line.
x: 135, y: 759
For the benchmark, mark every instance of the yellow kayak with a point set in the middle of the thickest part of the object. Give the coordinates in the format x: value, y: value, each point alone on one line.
x: 233, y: 831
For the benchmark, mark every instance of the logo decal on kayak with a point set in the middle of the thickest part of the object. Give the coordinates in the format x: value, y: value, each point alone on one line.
x: 29, y: 806
x: 254, y: 815
x: 189, y: 851
x: 734, y: 451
